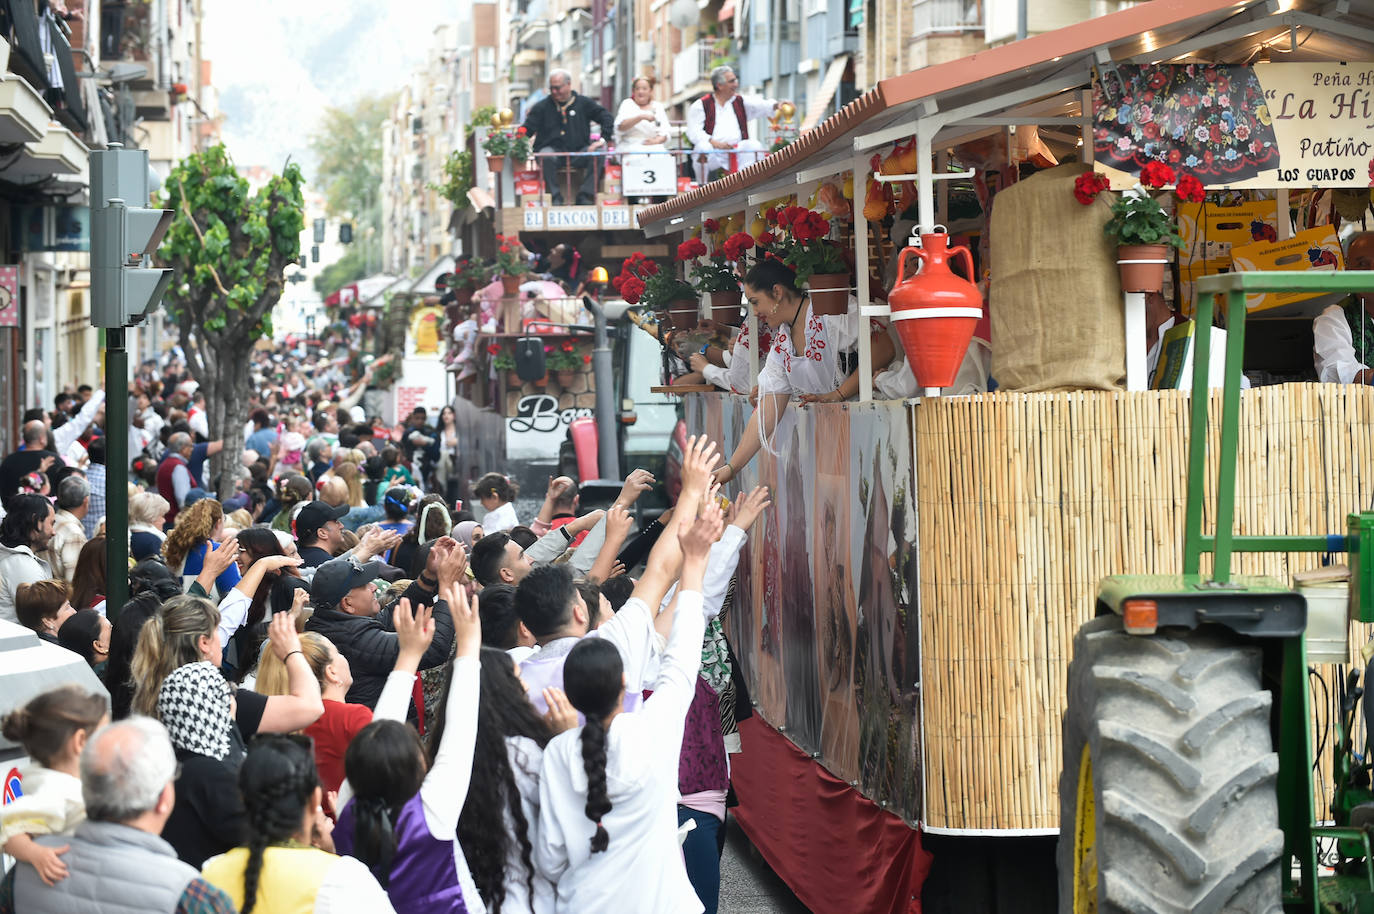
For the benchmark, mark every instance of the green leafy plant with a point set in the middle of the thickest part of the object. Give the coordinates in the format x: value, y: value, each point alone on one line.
x: 642, y: 281
x: 562, y: 357
x: 471, y: 271
x: 458, y: 178
x: 797, y: 237
x: 501, y: 358
x: 510, y: 256
x: 230, y: 247
x: 482, y: 115
x: 1137, y: 217
x: 513, y: 141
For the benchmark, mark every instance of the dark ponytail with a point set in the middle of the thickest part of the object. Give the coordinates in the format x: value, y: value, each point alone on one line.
x: 594, y: 677
x: 386, y: 766
x: 277, y: 780
x: 594, y: 763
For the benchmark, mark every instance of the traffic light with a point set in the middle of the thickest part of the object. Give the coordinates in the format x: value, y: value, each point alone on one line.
x: 123, y: 289
x: 346, y: 233
x: 319, y: 231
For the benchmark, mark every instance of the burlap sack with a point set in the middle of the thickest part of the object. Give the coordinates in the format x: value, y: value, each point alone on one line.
x: 1055, y: 298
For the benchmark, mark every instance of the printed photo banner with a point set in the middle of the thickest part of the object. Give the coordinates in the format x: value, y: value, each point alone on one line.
x: 1298, y: 125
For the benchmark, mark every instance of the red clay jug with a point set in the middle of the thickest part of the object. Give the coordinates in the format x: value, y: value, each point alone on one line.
x: 935, y: 310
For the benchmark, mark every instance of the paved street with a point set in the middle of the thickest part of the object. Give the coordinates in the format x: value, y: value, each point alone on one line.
x: 748, y: 885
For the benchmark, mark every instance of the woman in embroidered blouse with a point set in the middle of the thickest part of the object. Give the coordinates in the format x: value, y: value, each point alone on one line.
x: 823, y: 369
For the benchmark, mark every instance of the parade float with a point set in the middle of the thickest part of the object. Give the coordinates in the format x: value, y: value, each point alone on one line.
x: 905, y: 616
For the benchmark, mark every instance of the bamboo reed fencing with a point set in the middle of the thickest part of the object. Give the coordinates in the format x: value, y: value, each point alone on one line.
x: 1027, y: 500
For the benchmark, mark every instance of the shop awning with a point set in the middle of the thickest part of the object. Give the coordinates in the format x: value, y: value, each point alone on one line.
x: 425, y: 284
x: 1041, y: 73
x: 815, y: 112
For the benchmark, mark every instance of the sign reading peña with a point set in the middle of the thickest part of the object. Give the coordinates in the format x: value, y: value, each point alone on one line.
x: 1273, y: 125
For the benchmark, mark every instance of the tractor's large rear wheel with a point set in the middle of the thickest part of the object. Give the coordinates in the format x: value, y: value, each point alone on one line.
x: 1167, y: 797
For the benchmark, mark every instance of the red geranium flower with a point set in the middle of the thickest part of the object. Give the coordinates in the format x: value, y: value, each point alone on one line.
x: 649, y: 268
x: 1156, y: 174
x: 1190, y: 188
x: 769, y: 237
x: 691, y: 248
x: 567, y: 346
x: 587, y: 359
x: 711, y: 225
x: 1088, y: 185
x: 737, y: 244
x: 494, y: 349
x: 771, y: 214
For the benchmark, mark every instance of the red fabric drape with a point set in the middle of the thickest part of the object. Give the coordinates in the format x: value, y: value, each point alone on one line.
x: 834, y: 847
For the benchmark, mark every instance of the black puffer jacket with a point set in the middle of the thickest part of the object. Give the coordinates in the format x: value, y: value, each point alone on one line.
x: 371, y: 646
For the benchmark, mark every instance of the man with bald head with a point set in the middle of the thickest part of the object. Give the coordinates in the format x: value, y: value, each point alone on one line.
x: 1343, y: 334
x: 32, y: 458
x: 116, y: 859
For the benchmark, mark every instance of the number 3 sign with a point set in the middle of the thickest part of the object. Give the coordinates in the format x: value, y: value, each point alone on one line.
x: 649, y: 176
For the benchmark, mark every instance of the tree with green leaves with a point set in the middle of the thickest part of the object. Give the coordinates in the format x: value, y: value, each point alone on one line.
x: 229, y: 247
x: 348, y: 149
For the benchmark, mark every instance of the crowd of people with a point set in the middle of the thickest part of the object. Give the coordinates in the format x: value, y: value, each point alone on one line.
x: 358, y: 681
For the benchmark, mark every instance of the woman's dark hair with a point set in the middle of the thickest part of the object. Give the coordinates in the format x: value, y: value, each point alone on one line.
x: 768, y: 273
x: 44, y: 725
x: 436, y: 521
x: 277, y: 780
x: 23, y: 515
x: 503, y: 711
x: 397, y: 502
x: 88, y: 578
x: 80, y: 632
x: 617, y: 590
x: 385, y: 763
x: 258, y: 542
x: 591, y: 596
x: 593, y: 677
x: 390, y: 456
x: 497, y: 485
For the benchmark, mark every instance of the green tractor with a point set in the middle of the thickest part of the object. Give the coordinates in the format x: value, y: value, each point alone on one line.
x: 1187, y: 779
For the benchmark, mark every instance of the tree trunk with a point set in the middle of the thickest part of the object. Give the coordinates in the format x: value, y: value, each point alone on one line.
x: 227, y: 416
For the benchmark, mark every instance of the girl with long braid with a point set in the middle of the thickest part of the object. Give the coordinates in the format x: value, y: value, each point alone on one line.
x: 608, y: 790
x: 289, y: 863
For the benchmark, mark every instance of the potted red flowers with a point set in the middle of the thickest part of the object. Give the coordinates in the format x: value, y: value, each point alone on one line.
x: 641, y: 280
x: 1144, y: 232
x: 801, y: 243
x: 510, y: 263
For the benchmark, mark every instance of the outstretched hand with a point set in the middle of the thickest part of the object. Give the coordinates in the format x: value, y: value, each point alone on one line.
x: 636, y: 484
x: 414, y: 633
x: 747, y: 508
x: 696, y: 539
x: 698, y: 461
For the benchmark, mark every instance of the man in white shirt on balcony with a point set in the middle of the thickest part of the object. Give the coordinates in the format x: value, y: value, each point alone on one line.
x: 718, y: 126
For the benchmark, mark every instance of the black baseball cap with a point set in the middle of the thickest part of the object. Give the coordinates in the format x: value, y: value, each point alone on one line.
x: 315, y: 515
x: 336, y: 577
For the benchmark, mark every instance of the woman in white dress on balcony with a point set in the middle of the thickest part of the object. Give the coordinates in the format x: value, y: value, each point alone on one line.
x: 641, y: 123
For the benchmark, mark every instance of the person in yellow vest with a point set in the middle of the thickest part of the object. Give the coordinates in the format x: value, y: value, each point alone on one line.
x: 289, y: 865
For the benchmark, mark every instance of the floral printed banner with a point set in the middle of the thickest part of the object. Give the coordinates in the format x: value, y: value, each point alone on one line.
x: 1273, y: 125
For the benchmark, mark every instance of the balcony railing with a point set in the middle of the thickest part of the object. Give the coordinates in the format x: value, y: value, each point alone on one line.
x: 933, y: 17
x: 691, y: 65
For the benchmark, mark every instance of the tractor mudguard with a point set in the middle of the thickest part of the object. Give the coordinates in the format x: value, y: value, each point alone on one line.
x: 1258, y: 607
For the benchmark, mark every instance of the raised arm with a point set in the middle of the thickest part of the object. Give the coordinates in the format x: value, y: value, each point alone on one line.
x: 446, y: 785
x: 769, y: 412
x: 302, y: 706
x: 618, y: 522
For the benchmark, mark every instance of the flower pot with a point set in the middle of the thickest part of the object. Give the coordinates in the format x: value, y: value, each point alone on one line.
x: 935, y: 311
x: 725, y: 308
x: 565, y: 378
x: 496, y: 164
x: 513, y: 380
x: 510, y: 284
x: 542, y: 381
x: 684, y: 313
x: 1142, y: 266
x: 829, y: 293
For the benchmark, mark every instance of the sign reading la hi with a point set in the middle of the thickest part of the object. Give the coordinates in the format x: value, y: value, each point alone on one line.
x: 579, y: 218
x: 1295, y: 125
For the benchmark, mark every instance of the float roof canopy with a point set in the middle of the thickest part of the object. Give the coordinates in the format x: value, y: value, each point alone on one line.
x: 1061, y: 61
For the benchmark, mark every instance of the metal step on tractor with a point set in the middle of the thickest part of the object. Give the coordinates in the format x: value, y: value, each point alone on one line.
x: 1188, y: 772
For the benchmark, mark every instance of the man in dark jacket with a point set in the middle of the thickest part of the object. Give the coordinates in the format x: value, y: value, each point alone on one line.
x: 562, y: 122
x: 348, y: 613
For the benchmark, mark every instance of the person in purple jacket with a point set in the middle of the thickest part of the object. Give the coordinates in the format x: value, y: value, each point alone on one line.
x: 399, y: 815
